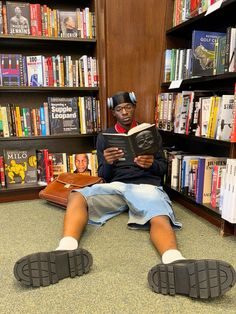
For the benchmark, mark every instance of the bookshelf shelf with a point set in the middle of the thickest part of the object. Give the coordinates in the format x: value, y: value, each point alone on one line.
x: 201, y: 21
x: 210, y: 82
x: 29, y: 97
x: 180, y: 37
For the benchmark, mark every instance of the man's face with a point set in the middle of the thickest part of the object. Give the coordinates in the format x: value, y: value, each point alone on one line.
x: 124, y: 114
x: 144, y: 140
x: 18, y: 11
x: 81, y: 162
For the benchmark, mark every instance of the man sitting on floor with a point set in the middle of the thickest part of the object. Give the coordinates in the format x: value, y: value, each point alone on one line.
x: 134, y: 186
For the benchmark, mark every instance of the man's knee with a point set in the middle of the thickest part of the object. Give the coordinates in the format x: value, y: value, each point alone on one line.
x: 160, y: 221
x: 76, y: 198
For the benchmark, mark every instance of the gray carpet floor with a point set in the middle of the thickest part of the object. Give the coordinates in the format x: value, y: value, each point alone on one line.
x: 117, y: 282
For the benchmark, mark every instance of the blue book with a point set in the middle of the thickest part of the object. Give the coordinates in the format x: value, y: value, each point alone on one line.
x: 42, y: 121
x: 200, y: 179
x: 203, y: 52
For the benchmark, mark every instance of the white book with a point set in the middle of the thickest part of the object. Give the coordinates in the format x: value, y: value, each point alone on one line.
x: 231, y: 49
x: 35, y: 70
x: 228, y: 206
x: 224, y: 124
x: 205, y: 114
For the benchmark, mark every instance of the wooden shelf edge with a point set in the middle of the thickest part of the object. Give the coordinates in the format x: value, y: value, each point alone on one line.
x: 23, y: 194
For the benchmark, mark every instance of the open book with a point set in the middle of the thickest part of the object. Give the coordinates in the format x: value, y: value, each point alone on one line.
x: 140, y: 140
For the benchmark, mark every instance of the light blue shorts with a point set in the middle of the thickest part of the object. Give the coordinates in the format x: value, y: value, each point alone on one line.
x: 143, y: 202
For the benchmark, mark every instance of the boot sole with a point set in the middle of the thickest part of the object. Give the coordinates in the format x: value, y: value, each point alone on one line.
x: 44, y: 269
x: 200, y: 279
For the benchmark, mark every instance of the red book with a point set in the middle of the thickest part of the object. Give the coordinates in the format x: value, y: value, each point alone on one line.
x: 233, y: 133
x: 35, y: 17
x: 2, y: 173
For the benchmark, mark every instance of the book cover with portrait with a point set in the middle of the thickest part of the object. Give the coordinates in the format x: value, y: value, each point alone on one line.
x: 18, y: 17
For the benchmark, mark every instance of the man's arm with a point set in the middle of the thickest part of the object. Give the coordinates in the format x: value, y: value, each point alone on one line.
x: 105, y: 170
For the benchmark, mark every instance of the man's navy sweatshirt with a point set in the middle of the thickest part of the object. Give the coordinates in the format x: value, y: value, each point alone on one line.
x: 129, y: 172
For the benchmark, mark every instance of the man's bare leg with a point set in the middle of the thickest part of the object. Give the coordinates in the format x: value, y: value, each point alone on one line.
x: 43, y: 269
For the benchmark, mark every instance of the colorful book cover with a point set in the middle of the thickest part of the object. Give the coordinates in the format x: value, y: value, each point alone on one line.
x: 209, y: 164
x: 18, y: 17
x: 63, y: 115
x: 82, y: 163
x: 20, y: 166
x: 203, y: 49
x: 59, y: 163
x: 68, y: 23
x: 10, y: 69
x: 1, y: 19
x: 35, y: 70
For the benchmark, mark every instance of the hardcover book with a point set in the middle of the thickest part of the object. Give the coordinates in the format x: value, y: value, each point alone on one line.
x: 63, y: 115
x: 20, y: 166
x: 140, y: 140
x: 203, y: 49
x: 82, y: 163
x: 18, y: 17
x: 1, y: 19
x: 11, y: 69
x: 35, y: 70
x: 59, y: 163
x: 224, y: 127
x: 68, y: 23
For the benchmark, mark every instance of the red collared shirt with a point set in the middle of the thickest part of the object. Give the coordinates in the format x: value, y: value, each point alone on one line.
x: 120, y: 129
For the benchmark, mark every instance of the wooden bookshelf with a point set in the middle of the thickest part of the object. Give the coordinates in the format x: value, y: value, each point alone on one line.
x: 180, y: 36
x: 33, y: 96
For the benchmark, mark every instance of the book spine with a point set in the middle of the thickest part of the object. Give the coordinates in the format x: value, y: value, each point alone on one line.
x: 233, y: 132
x: 2, y: 172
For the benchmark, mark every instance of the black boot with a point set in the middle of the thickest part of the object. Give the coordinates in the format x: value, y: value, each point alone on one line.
x: 43, y: 269
x: 200, y: 279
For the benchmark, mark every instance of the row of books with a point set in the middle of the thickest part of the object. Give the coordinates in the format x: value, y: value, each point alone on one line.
x: 207, y: 116
x: 30, y: 166
x: 196, y: 176
x: 23, y: 18
x: 228, y: 192
x: 211, y: 53
x: 185, y: 10
x: 56, y: 116
x: 53, y: 71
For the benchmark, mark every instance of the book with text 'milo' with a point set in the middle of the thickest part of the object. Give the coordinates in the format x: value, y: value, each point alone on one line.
x: 140, y: 140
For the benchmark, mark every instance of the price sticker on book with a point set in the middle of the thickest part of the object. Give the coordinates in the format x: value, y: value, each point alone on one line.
x: 215, y: 6
x: 175, y: 84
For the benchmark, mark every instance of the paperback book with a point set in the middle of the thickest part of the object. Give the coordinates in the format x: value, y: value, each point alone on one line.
x: 203, y: 49
x: 63, y: 115
x: 140, y: 140
x: 20, y: 167
x: 18, y: 17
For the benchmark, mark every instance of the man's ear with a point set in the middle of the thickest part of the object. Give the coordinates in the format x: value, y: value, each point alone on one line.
x: 113, y: 113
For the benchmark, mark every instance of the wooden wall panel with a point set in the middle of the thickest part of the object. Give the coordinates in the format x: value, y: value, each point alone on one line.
x: 134, y: 49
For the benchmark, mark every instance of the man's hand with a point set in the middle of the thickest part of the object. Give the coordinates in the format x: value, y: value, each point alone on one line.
x: 112, y: 154
x: 144, y: 161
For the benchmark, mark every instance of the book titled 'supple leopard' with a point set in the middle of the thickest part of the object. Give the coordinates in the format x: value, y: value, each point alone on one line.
x: 203, y: 50
x: 18, y: 17
x: 140, y: 140
x: 20, y: 167
x: 63, y: 115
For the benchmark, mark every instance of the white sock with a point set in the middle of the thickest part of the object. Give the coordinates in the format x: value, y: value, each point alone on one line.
x: 67, y: 243
x: 171, y: 256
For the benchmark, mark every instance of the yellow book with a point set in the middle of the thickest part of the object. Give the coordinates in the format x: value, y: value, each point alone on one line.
x: 210, y: 120
x: 18, y: 122
x: 215, y: 116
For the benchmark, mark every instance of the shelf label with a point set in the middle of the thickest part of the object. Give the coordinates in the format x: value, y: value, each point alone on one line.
x: 175, y: 84
x: 213, y: 7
